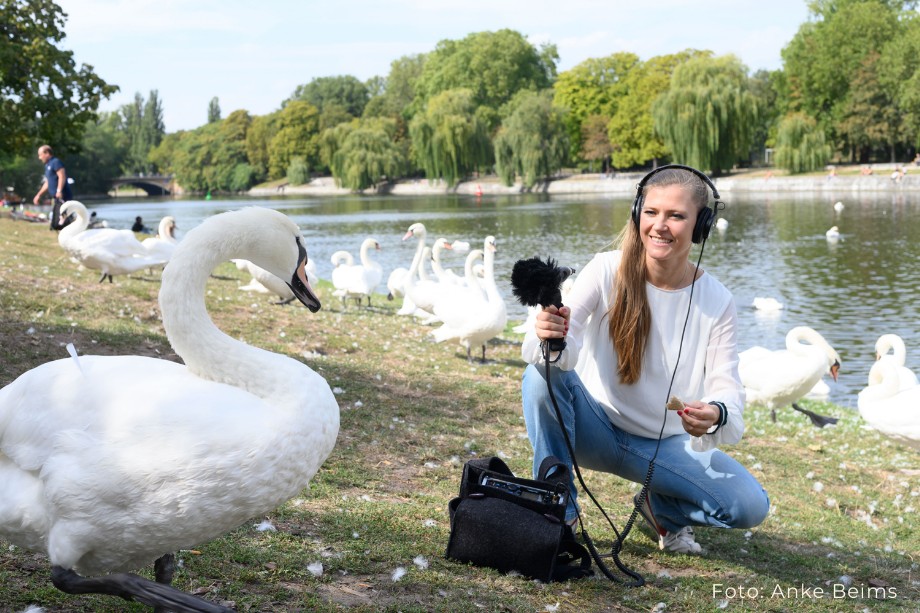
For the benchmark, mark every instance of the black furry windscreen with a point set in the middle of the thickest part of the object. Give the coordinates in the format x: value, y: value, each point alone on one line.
x: 535, y: 282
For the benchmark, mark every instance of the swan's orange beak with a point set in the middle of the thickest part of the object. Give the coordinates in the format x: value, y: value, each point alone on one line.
x: 834, y: 369
x: 299, y: 283
x: 408, y: 235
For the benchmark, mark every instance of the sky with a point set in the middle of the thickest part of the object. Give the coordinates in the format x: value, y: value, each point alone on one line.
x: 252, y: 54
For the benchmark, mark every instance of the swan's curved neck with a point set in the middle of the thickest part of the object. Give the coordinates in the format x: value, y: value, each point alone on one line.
x: 419, y: 252
x: 71, y: 230
x: 206, y: 350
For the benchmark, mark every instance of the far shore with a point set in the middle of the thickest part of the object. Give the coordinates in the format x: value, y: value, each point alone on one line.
x: 619, y: 184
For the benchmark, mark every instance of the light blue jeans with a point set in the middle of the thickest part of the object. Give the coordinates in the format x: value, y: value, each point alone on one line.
x: 688, y: 488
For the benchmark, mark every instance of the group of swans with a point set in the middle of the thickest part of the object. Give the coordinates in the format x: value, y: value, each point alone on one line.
x: 111, y: 251
x: 108, y: 478
x: 890, y: 403
x: 265, y: 282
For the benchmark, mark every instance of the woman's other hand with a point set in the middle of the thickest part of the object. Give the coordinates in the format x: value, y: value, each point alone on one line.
x: 697, y: 417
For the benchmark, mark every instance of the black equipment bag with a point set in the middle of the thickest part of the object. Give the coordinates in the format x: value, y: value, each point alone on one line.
x: 514, y: 524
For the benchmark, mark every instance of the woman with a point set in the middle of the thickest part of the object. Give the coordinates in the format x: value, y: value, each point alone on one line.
x: 626, y: 340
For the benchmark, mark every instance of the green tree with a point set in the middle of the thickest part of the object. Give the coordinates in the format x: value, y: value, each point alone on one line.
x: 398, y: 89
x: 101, y: 153
x: 899, y: 75
x: 800, y: 144
x: 368, y: 155
x: 595, y: 145
x: 214, y: 110
x: 345, y: 91
x: 298, y: 134
x: 44, y: 97
x: 707, y: 115
x: 869, y: 117
x: 258, y: 138
x: 493, y: 66
x: 532, y: 141
x: 449, y: 138
x: 631, y: 130
x: 298, y: 171
x: 822, y: 58
x: 592, y: 88
x: 142, y: 122
x: 765, y: 89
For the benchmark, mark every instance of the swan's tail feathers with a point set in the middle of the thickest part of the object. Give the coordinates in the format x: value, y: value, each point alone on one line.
x: 818, y: 420
x: 73, y: 353
x: 134, y: 588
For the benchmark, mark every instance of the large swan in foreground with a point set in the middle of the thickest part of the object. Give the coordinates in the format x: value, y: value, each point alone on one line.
x: 265, y: 282
x: 780, y: 378
x: 891, y: 409
x: 107, y: 477
x: 111, y: 251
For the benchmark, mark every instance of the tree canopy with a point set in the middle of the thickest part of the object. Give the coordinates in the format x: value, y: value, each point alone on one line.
x: 707, y: 115
x: 532, y: 141
x: 344, y: 91
x: 44, y: 96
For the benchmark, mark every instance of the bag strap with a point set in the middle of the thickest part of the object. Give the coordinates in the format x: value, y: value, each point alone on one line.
x: 552, y: 462
x: 571, y: 550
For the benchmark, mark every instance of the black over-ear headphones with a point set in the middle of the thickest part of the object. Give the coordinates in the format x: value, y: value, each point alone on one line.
x: 704, y: 219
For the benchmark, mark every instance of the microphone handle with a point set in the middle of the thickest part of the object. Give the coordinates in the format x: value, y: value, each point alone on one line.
x: 556, y: 344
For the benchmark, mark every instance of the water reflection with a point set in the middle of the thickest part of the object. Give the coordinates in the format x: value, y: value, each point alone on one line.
x: 851, y: 291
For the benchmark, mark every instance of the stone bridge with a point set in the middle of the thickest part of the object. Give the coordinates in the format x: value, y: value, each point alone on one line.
x: 154, y: 185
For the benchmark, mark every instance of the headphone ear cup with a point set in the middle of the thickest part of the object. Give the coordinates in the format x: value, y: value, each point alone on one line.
x: 637, y: 208
x: 703, y: 225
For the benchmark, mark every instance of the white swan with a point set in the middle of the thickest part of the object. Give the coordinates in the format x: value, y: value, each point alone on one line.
x: 422, y: 292
x: 780, y: 378
x: 890, y: 409
x: 474, y: 321
x: 111, y: 251
x: 838, y: 207
x: 265, y: 282
x: 443, y: 275
x: 833, y: 234
x: 109, y: 462
x: 356, y: 280
x: 164, y: 243
x: 767, y: 304
x: 893, y: 343
x: 721, y: 224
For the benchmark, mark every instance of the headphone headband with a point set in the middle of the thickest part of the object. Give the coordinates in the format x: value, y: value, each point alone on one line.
x: 706, y: 216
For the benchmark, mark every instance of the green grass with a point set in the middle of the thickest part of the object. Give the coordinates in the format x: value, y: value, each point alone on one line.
x: 412, y: 413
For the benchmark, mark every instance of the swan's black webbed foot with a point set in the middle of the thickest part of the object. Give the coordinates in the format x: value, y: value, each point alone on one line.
x: 134, y: 588
x: 818, y: 420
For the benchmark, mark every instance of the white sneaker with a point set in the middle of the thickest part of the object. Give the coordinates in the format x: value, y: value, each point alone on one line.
x: 681, y: 541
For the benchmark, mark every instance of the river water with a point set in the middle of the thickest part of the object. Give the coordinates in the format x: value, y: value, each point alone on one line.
x: 851, y: 291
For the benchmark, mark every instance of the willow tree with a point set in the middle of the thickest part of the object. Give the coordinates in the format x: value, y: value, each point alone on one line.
x: 449, y: 137
x: 707, y: 115
x: 800, y: 144
x: 532, y: 141
x: 368, y: 155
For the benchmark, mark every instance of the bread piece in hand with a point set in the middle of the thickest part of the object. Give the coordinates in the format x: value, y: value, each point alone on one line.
x: 675, y: 404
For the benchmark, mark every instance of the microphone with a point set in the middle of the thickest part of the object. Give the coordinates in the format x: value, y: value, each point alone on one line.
x: 535, y: 282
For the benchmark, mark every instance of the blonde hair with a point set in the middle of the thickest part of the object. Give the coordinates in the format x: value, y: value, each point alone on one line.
x: 629, y: 319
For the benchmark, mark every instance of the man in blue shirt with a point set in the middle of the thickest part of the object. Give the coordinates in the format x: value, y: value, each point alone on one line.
x: 55, y: 183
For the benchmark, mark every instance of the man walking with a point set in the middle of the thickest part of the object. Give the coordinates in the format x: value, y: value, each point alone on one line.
x: 55, y: 183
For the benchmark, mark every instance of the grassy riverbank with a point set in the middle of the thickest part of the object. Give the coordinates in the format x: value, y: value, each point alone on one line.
x: 845, y: 499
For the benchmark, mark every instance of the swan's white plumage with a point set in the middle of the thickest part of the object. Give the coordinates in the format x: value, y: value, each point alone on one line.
x: 779, y: 378
x: 892, y: 410
x: 135, y: 457
x: 111, y: 251
x: 898, y: 357
x: 421, y: 291
x: 767, y: 304
x: 833, y: 234
x: 474, y: 320
x: 164, y: 243
x: 356, y: 280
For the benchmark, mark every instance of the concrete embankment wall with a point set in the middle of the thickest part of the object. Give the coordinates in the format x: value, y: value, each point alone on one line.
x: 618, y: 185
